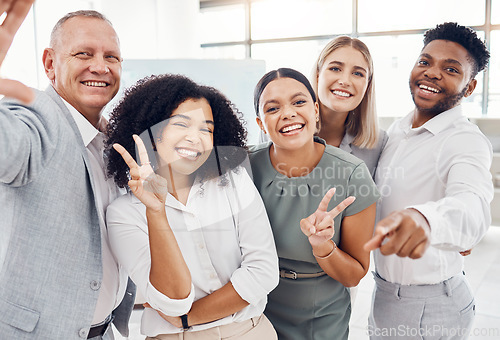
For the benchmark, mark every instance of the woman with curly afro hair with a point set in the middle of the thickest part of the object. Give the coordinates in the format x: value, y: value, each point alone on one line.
x: 192, y: 231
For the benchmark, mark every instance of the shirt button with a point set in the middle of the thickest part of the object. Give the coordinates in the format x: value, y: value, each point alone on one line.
x: 83, y: 333
x: 201, y: 246
x: 95, y: 285
x: 213, y: 276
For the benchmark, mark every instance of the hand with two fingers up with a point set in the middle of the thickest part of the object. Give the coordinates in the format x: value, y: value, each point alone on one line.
x: 405, y: 233
x: 150, y: 188
x: 319, y: 226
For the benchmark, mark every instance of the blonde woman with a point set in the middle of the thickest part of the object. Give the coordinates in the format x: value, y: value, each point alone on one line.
x: 343, y: 80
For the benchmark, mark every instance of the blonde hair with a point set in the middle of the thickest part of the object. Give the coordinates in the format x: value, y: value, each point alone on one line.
x: 362, y: 122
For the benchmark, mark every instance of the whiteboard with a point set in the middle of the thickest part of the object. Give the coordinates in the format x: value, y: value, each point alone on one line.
x: 236, y: 79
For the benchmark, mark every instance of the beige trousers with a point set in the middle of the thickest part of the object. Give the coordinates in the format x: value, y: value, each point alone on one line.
x: 259, y: 328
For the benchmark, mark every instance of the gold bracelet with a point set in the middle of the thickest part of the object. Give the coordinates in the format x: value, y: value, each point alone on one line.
x: 327, y: 256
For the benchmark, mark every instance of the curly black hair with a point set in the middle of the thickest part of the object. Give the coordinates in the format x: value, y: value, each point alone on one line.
x: 151, y: 101
x: 464, y: 36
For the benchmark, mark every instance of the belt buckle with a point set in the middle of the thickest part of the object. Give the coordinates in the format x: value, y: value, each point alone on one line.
x: 293, y: 273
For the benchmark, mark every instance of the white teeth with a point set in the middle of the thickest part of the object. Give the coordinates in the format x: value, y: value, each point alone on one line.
x: 188, y: 153
x: 341, y: 93
x: 95, y: 83
x: 291, y: 127
x: 428, y: 88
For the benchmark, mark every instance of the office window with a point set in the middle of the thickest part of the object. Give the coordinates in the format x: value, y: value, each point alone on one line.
x: 392, y: 15
x: 273, y: 19
x: 495, y: 12
x: 392, y: 71
x: 494, y: 72
x: 224, y: 23
x: 292, y: 32
x: 224, y: 52
x: 299, y: 55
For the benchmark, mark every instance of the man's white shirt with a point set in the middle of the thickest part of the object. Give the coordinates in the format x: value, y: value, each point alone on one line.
x: 114, y: 282
x: 440, y: 169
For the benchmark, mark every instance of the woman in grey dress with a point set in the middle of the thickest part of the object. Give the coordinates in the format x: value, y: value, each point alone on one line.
x: 344, y: 83
x: 320, y: 245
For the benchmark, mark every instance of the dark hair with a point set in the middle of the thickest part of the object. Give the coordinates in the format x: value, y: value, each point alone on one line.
x: 151, y: 101
x: 276, y: 74
x: 80, y: 13
x: 464, y: 36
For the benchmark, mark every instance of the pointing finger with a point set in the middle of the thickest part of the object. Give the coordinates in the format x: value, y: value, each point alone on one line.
x: 382, y: 229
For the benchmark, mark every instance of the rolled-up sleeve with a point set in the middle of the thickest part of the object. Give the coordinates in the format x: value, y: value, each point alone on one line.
x: 459, y: 220
x: 258, y: 274
x: 129, y: 240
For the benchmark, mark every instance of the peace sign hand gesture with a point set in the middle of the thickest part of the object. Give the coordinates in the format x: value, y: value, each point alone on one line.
x: 318, y: 226
x: 150, y: 188
x: 15, y: 12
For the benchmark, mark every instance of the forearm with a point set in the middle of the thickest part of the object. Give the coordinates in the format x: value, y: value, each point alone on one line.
x: 457, y: 223
x: 169, y: 273
x: 221, y: 303
x: 339, y: 265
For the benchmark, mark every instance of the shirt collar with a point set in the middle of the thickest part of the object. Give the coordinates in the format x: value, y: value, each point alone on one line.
x: 346, y: 142
x: 436, y: 124
x: 87, y: 130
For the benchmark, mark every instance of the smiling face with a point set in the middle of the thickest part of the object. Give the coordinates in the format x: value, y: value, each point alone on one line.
x: 441, y: 77
x: 84, y: 64
x: 287, y: 113
x: 187, y: 139
x: 342, y: 80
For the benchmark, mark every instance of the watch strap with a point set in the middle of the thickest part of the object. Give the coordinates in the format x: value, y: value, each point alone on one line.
x: 184, y: 319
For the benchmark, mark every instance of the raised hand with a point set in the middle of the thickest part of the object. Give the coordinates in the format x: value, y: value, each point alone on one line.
x: 150, y: 188
x: 318, y: 226
x: 15, y: 12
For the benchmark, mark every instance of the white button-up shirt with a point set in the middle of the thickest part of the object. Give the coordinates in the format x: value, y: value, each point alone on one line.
x: 114, y: 281
x: 224, y: 235
x: 440, y: 169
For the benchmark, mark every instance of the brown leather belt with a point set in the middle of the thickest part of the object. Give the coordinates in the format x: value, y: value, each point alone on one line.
x: 292, y: 275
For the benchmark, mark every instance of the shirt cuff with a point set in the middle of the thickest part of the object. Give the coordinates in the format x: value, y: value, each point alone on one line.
x: 251, y: 293
x: 166, y: 305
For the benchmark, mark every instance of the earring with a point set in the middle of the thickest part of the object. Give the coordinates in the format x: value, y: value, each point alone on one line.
x: 317, y: 119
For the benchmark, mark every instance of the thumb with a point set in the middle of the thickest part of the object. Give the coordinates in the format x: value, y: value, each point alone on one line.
x: 17, y: 90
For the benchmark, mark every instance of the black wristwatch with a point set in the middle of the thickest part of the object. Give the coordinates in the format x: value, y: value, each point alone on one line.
x: 185, y: 325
